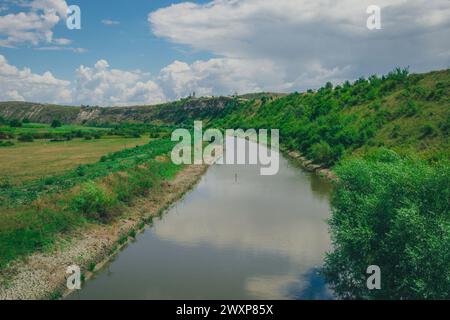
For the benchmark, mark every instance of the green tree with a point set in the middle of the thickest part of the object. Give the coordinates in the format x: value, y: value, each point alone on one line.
x: 56, y: 123
x: 322, y: 153
x: 15, y: 123
x: 395, y: 214
x: 25, y: 137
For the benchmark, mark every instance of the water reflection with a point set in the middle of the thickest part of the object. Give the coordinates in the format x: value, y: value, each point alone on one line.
x: 237, y: 235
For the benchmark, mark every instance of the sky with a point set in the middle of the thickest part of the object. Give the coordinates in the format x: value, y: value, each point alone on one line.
x: 151, y: 51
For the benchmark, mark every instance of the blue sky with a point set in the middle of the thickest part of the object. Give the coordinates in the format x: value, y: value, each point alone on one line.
x: 150, y: 51
x: 128, y: 45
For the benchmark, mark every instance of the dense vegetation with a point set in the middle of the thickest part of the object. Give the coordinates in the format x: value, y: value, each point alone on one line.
x: 56, y: 131
x: 393, y: 213
x: 409, y: 113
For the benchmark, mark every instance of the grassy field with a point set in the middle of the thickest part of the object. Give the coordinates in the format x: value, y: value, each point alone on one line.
x: 34, y: 128
x: 28, y: 161
x: 34, y: 212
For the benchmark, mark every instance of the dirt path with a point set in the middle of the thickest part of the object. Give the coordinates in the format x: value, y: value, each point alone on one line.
x: 43, y: 275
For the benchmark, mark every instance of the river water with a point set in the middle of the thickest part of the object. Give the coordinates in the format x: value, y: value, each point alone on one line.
x: 236, y: 235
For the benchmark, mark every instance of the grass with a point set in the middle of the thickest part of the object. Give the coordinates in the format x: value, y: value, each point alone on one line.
x: 46, y: 128
x: 35, y: 226
x: 28, y: 161
x: 91, y: 266
x: 20, y: 194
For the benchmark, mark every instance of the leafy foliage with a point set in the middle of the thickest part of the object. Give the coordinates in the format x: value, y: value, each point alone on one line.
x: 15, y: 123
x: 394, y: 213
x: 331, y: 123
x: 56, y: 123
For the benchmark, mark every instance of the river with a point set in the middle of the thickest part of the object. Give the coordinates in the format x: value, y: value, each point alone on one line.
x: 236, y: 235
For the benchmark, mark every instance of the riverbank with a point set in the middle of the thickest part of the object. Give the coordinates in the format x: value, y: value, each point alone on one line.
x: 43, y: 275
x: 309, y: 165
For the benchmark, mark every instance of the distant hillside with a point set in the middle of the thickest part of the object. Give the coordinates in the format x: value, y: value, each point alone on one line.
x: 260, y: 95
x: 177, y: 112
x: 407, y: 113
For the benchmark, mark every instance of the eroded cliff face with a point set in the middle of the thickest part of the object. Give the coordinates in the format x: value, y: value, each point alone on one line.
x: 87, y: 114
x: 173, y: 112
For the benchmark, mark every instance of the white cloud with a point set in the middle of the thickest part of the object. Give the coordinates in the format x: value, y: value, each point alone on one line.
x: 220, y: 77
x: 23, y: 84
x: 105, y: 86
x: 35, y: 26
x: 62, y: 41
x: 108, y: 22
x: 308, y: 42
x: 97, y: 85
x: 56, y: 48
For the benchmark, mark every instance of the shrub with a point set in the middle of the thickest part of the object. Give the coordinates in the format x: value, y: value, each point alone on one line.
x: 427, y: 130
x: 25, y: 137
x: 6, y: 135
x: 395, y: 214
x: 94, y: 202
x: 132, y: 233
x: 56, y: 123
x: 411, y: 108
x: 15, y: 123
x: 395, y: 132
x: 91, y: 266
x: 6, y: 143
x: 322, y: 153
x: 138, y: 182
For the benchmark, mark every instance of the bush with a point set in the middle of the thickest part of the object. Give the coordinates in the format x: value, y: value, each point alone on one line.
x: 322, y: 153
x: 25, y: 137
x: 411, y: 108
x: 6, y: 143
x: 15, y: 123
x: 395, y: 214
x: 56, y: 123
x: 138, y: 182
x: 26, y: 120
x: 427, y: 130
x: 94, y: 202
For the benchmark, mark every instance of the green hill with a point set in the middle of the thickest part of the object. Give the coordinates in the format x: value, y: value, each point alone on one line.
x: 407, y: 113
x: 177, y: 112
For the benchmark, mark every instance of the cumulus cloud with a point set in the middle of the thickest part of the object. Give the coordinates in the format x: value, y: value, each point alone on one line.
x: 34, y: 26
x: 256, y: 45
x: 220, y: 77
x: 103, y: 85
x: 56, y: 48
x: 98, y: 85
x: 24, y: 85
x: 309, y: 42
